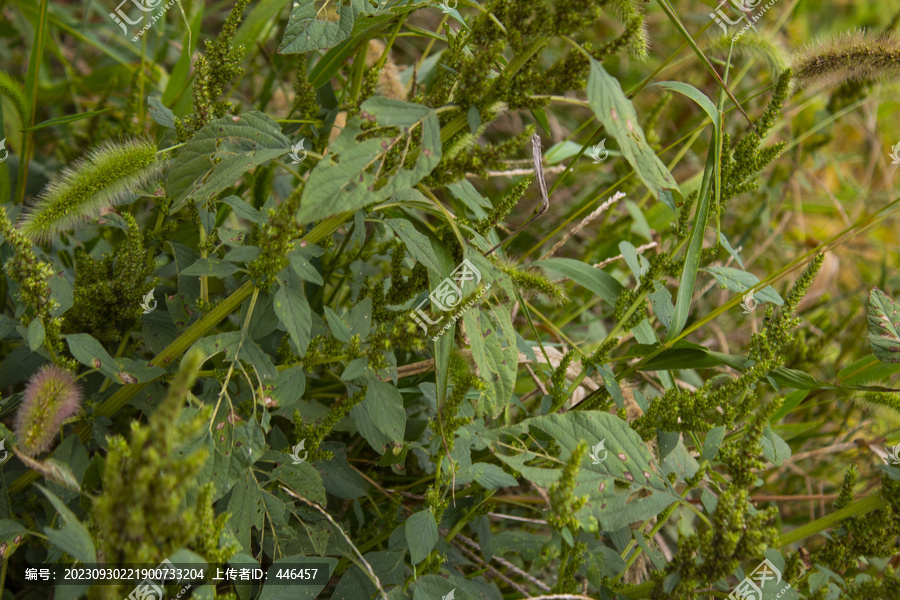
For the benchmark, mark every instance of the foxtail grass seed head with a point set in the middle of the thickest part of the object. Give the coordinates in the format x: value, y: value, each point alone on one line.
x: 51, y: 397
x: 101, y: 180
x: 849, y: 56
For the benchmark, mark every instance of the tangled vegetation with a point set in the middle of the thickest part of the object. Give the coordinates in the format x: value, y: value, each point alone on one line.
x: 560, y: 299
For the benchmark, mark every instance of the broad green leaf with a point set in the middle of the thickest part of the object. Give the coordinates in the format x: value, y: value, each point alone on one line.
x: 303, y: 268
x: 740, y: 281
x: 618, y: 116
x: 337, y: 326
x: 712, y: 441
x: 91, y: 353
x: 233, y: 449
x: 220, y: 153
x: 338, y: 477
x: 421, y: 535
x: 247, y: 510
x: 774, y: 448
x: 417, y: 243
x: 160, y: 113
x: 73, y: 537
x: 351, y: 175
x: 884, y: 326
x: 293, y: 310
x: 661, y: 301
x: 210, y: 267
x: 35, y: 334
x: 495, y: 353
x: 302, y: 479
x: 380, y: 417
x: 599, y: 282
x: 244, y: 209
x: 488, y: 476
x: 306, y: 32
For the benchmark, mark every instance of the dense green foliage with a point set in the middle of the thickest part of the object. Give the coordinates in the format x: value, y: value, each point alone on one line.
x: 361, y: 285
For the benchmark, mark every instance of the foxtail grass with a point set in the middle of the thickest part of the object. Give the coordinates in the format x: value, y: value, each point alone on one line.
x: 101, y: 180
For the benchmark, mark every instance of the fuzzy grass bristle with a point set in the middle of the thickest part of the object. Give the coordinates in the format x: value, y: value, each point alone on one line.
x: 51, y: 397
x: 848, y: 56
x: 100, y: 180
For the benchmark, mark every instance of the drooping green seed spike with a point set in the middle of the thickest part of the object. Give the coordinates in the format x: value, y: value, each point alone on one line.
x: 100, y: 180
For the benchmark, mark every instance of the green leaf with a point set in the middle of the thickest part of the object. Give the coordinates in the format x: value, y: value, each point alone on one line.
x: 694, y: 94
x: 91, y: 353
x: 774, y: 448
x: 73, y: 537
x: 36, y: 334
x: 417, y: 243
x: 711, y: 443
x: 337, y: 326
x: 739, y: 281
x: 244, y: 210
x: 488, y: 476
x: 380, y: 417
x: 494, y: 350
x: 238, y: 146
x: 210, y: 267
x: 473, y: 117
x: 302, y: 479
x: 247, y: 510
x: 160, y: 113
x: 356, y: 368
x: 599, y: 282
x: 618, y: 116
x: 303, y: 268
x: 293, y: 310
x: 421, y: 535
x: 350, y: 176
x: 884, y: 326
x: 304, y: 32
